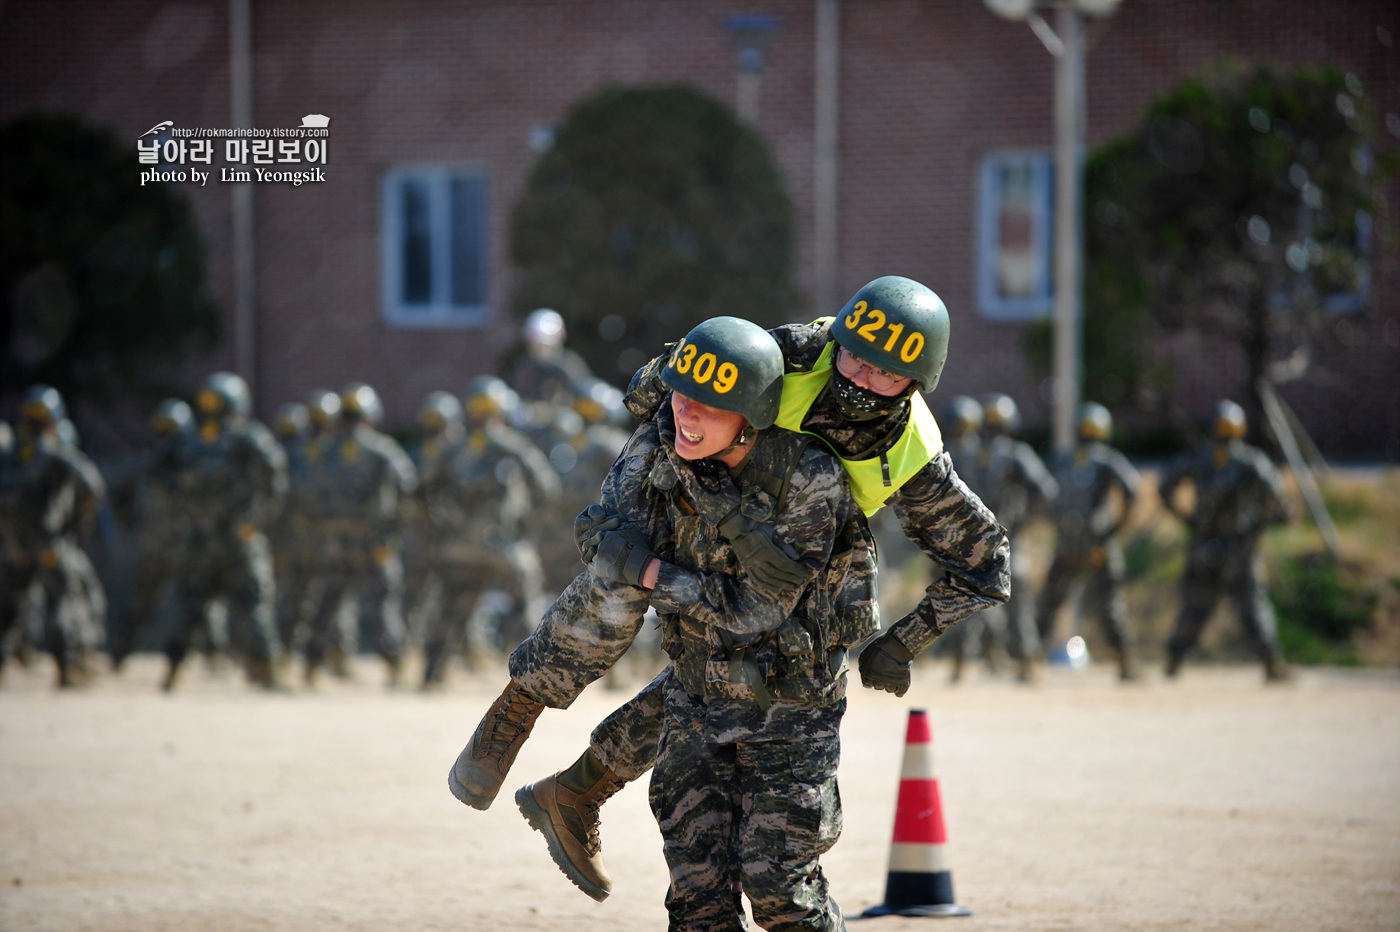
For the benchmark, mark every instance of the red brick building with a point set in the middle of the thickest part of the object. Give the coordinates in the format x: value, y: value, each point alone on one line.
x: 422, y: 93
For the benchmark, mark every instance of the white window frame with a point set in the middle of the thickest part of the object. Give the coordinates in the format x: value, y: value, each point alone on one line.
x: 439, y: 311
x: 990, y: 303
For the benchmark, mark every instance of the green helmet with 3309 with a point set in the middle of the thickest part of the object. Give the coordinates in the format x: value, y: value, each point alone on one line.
x: 899, y: 325
x: 731, y: 364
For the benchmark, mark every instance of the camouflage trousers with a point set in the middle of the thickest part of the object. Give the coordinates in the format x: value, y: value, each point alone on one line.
x: 44, y: 600
x: 583, y: 634
x: 1102, y: 570
x: 464, y: 574
x: 749, y: 818
x: 373, y: 578
x: 1233, y: 570
x: 239, y: 572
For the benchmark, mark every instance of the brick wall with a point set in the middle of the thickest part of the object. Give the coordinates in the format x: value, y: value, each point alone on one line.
x: 927, y: 87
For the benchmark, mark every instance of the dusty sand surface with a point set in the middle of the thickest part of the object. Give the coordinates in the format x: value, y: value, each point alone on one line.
x: 1213, y: 803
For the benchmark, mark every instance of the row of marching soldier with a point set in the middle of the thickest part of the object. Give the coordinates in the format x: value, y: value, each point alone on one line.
x: 313, y: 536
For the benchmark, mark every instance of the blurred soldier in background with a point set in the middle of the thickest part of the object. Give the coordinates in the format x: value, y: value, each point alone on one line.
x: 1087, y: 523
x: 441, y: 428
x: 540, y: 368
x: 147, y: 502
x: 962, y: 423
x: 291, y: 535
x: 49, y: 495
x: 581, y: 448
x: 92, y: 633
x: 1015, y: 485
x: 231, y: 477
x: 1239, y: 494
x: 360, y: 488
x: 478, y: 497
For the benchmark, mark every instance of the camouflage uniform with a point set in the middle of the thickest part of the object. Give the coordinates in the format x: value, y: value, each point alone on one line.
x: 585, y: 633
x: 440, y: 420
x: 581, y: 453
x: 1087, y: 544
x: 744, y: 786
x: 49, y: 494
x: 477, y: 499
x: 152, y: 508
x: 230, y: 480
x: 294, y: 543
x: 358, y: 491
x: 1239, y: 494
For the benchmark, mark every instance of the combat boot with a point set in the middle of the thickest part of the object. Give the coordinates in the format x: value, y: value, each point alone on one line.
x: 1174, y: 662
x: 481, y: 768
x: 564, y: 808
x: 1276, y: 671
x: 1127, y: 667
x: 1025, y: 670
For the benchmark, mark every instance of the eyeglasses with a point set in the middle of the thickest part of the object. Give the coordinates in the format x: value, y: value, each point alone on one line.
x: 879, y: 380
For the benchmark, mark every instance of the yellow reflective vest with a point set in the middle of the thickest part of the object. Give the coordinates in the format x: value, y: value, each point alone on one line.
x: 872, y: 480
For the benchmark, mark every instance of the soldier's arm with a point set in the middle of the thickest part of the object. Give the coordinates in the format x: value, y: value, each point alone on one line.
x: 263, y: 496
x: 401, y: 468
x: 1039, y: 483
x: 1173, y: 475
x: 1279, y: 507
x: 736, y: 602
x: 945, y: 520
x: 541, y: 475
x: 1129, y: 480
x: 802, y: 343
x: 90, y: 491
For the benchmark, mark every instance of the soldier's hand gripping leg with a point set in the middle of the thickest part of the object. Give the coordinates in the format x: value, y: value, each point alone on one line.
x: 481, y: 768
x: 564, y: 808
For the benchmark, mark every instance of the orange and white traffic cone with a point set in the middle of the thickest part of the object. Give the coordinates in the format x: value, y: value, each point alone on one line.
x: 919, y: 882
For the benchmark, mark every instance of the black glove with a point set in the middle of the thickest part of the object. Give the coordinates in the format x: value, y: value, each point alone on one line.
x: 769, y: 561
x: 623, y: 556
x: 885, y: 664
x: 590, y: 526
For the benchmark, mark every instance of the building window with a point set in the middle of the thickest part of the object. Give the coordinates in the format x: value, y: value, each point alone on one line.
x: 435, y: 248
x: 1014, y: 236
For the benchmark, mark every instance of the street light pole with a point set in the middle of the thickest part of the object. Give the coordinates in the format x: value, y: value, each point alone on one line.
x: 1066, y: 43
x: 1069, y: 143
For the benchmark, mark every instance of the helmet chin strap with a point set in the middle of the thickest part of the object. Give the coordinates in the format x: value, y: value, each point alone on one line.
x: 742, y: 439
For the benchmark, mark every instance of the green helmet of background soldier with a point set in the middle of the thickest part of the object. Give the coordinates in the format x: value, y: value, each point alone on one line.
x: 439, y: 411
x: 488, y: 396
x: 1229, y: 422
x: 898, y: 325
x: 292, y: 421
x: 40, y: 408
x: 172, y: 416
x: 730, y: 364
x: 1001, y: 414
x: 323, y: 407
x: 358, y: 401
x: 222, y: 395
x: 963, y: 415
x: 1095, y: 423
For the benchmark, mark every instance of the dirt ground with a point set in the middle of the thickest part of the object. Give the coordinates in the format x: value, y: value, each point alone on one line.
x: 1213, y: 803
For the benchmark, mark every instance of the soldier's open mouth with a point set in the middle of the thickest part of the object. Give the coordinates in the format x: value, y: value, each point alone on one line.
x: 691, y: 438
